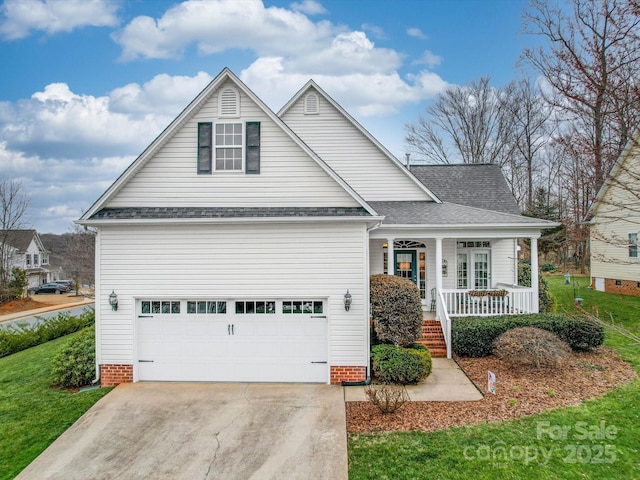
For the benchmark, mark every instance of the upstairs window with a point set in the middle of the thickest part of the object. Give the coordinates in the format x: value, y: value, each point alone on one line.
x: 45, y: 259
x: 228, y: 141
x: 229, y: 147
x: 28, y: 259
x: 229, y: 103
x: 633, y: 245
x: 311, y: 104
x: 35, y: 259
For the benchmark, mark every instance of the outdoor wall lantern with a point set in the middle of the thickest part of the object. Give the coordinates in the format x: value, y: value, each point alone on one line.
x: 113, y: 300
x: 347, y: 301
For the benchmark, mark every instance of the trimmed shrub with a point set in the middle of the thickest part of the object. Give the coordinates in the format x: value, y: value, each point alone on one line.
x: 393, y: 364
x: 474, y: 336
x: 547, y: 303
x: 548, y: 267
x: 18, y: 337
x: 388, y: 398
x: 396, y: 310
x: 74, y: 364
x: 531, y: 346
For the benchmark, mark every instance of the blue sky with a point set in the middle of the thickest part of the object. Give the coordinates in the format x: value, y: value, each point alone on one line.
x: 88, y: 84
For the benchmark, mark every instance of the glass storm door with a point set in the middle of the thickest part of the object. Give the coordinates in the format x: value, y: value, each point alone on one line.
x: 406, y: 265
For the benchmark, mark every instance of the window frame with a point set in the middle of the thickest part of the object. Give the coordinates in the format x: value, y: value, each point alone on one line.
x: 250, y: 147
x: 633, y: 245
x: 241, y: 147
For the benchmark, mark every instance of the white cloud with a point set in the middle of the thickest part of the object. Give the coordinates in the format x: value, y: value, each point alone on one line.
x: 20, y: 17
x: 429, y: 59
x: 218, y: 25
x: 57, y: 122
x: 309, y: 7
x: 416, y: 32
x: 360, y: 94
x: 163, y: 94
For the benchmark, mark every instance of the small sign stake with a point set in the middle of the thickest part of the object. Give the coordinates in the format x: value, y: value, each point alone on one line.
x: 491, y: 382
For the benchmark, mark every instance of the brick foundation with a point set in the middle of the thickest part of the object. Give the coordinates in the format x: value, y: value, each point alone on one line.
x: 111, y: 375
x: 626, y: 287
x: 347, y: 374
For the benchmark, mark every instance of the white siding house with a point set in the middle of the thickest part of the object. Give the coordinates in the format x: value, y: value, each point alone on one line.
x: 615, y: 226
x: 239, y: 245
x: 24, y: 250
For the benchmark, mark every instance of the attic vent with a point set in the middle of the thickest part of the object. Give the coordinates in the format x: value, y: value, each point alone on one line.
x: 311, y: 104
x: 229, y: 103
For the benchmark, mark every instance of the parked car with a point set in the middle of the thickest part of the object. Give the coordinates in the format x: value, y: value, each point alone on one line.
x: 51, y: 288
x: 69, y: 283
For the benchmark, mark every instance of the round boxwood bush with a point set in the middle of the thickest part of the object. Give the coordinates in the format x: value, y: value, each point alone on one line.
x: 396, y: 310
x: 74, y: 364
x: 531, y: 346
x: 399, y: 365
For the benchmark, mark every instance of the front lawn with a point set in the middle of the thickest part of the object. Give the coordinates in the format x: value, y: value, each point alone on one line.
x: 598, y: 439
x: 33, y: 415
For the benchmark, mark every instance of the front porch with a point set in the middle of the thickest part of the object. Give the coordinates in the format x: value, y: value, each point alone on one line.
x: 458, y: 277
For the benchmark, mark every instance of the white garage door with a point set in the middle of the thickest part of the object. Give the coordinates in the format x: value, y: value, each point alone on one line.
x: 232, y: 340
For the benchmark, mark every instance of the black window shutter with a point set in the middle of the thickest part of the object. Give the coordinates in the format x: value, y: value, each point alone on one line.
x: 252, y: 148
x: 204, y: 147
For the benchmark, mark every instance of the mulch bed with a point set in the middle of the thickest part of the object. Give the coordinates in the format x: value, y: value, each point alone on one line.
x: 22, y: 305
x: 520, y: 391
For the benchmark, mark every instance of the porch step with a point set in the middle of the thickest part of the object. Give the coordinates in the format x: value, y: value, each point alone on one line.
x: 433, y: 338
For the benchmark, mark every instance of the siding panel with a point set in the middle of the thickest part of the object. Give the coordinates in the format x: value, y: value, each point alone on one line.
x: 231, y: 262
x: 288, y: 176
x: 351, y: 154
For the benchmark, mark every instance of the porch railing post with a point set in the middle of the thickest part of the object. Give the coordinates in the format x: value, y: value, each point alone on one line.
x: 438, y: 267
x: 534, y: 274
x: 391, y: 261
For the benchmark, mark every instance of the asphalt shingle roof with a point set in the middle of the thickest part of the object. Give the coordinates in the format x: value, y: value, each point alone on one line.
x: 474, y: 185
x: 19, y: 239
x: 130, y: 213
x: 431, y: 213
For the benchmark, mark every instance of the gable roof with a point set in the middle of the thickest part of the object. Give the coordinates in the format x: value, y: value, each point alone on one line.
x: 195, y: 105
x: 21, y: 239
x: 632, y: 143
x: 312, y: 85
x: 474, y: 185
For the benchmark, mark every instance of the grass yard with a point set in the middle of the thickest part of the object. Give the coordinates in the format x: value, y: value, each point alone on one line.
x: 33, y: 415
x: 598, y: 439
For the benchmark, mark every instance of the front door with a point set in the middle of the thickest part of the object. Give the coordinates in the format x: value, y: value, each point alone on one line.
x: 405, y: 261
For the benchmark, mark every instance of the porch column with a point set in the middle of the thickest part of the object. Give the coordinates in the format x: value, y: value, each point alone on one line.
x: 534, y: 274
x: 438, y: 265
x: 391, y: 264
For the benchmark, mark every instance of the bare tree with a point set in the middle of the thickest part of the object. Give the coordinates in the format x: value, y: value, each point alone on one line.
x: 465, y: 125
x: 15, y: 203
x: 78, y: 255
x: 530, y: 117
x: 591, y: 60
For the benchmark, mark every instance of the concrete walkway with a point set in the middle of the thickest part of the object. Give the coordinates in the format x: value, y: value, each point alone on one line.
x: 447, y: 383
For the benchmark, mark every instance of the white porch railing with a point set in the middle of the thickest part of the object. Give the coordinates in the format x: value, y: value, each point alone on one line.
x: 459, y: 303
x: 445, y: 321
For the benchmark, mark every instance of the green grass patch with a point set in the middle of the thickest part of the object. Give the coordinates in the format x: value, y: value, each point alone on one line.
x: 598, y: 439
x: 33, y: 415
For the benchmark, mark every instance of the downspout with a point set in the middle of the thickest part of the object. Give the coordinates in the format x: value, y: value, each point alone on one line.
x: 368, y: 311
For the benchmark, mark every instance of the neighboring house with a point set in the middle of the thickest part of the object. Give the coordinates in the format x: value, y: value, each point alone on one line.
x: 239, y: 245
x: 25, y: 250
x: 614, y: 220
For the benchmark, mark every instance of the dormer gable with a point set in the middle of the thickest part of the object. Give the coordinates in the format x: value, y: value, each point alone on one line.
x: 350, y: 149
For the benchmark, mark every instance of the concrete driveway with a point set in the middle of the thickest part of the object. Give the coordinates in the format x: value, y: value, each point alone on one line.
x: 204, y: 431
